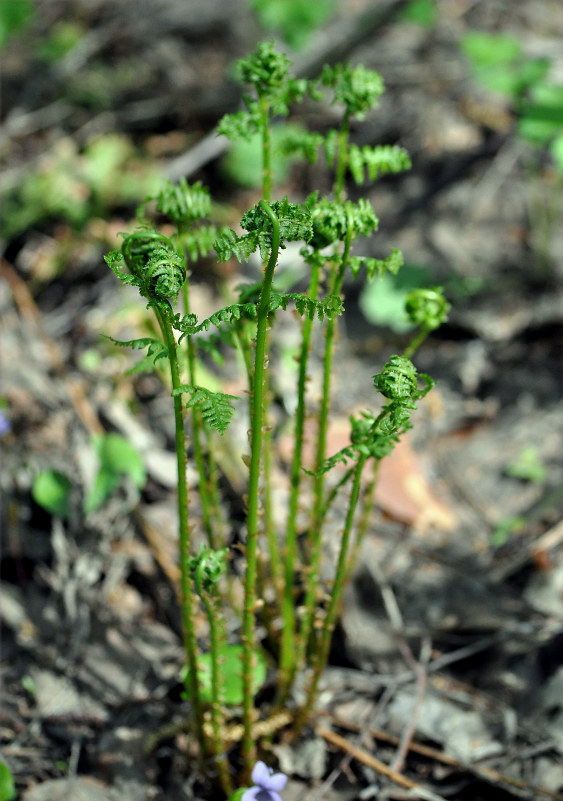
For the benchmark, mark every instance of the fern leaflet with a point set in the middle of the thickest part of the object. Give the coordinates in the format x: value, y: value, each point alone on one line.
x: 378, y: 160
x: 216, y: 407
x: 375, y: 268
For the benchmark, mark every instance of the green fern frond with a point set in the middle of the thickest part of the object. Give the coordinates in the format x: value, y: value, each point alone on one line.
x: 229, y: 315
x: 199, y: 242
x: 227, y: 244
x: 155, y: 348
x: 184, y: 204
x: 343, y: 456
x: 331, y: 146
x: 240, y: 125
x: 379, y: 160
x: 357, y: 88
x: 329, y: 307
x: 216, y: 407
x: 114, y: 261
x: 362, y: 218
x: 188, y: 325
x: 375, y: 268
x: 294, y: 221
x: 303, y: 143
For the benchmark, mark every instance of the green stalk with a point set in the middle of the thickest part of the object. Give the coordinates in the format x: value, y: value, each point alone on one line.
x: 267, y: 519
x: 266, y: 148
x: 289, y: 659
x: 216, y: 639
x: 367, y: 509
x: 416, y: 342
x: 312, y: 578
x: 197, y: 428
x: 257, y: 421
x: 322, y: 650
x: 342, y: 157
x: 188, y: 612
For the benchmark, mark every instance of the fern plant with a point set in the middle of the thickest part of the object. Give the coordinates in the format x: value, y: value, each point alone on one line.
x: 278, y: 575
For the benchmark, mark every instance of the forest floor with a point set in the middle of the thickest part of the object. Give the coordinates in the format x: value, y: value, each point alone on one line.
x: 446, y: 674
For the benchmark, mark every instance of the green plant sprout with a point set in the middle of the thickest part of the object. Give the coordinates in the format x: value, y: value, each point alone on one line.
x: 282, y: 587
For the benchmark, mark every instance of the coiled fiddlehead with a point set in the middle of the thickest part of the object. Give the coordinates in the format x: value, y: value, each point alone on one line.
x: 397, y: 381
x: 152, y: 259
x: 427, y: 307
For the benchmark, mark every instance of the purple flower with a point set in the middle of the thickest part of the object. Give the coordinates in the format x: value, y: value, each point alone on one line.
x: 267, y: 784
x: 5, y: 426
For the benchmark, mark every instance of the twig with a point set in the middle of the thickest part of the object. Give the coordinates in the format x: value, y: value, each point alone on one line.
x: 367, y: 759
x: 445, y: 759
x: 409, y: 730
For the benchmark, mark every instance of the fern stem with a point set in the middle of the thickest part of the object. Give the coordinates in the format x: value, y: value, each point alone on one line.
x: 216, y: 640
x: 257, y: 420
x: 289, y: 657
x: 312, y: 578
x: 267, y: 456
x: 416, y: 342
x: 188, y: 612
x: 342, y: 157
x: 266, y: 148
x: 363, y: 523
x: 322, y: 649
x: 198, y: 426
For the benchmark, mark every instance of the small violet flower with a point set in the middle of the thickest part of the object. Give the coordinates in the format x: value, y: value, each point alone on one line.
x: 5, y: 426
x: 267, y: 784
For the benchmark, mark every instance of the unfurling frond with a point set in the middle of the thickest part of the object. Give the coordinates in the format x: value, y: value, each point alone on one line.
x: 294, y: 221
x: 427, y: 307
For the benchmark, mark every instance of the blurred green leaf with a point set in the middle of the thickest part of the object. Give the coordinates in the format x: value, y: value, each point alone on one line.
x: 383, y: 301
x: 51, y: 490
x: 542, y: 118
x: 498, y: 64
x: 293, y: 20
x: 15, y: 15
x: 490, y: 49
x: 64, y: 37
x: 118, y: 458
x: 528, y: 466
x: 243, y: 162
x: 7, y: 785
x: 556, y: 150
x: 421, y: 12
x: 231, y: 674
x: 505, y: 528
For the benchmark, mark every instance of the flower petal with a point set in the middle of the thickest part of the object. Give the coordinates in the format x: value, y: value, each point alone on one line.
x: 261, y: 774
x: 250, y: 795
x: 276, y: 782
